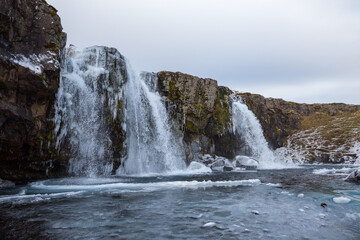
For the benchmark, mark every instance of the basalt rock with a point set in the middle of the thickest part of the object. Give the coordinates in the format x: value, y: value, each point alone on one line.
x: 200, y: 110
x: 31, y: 41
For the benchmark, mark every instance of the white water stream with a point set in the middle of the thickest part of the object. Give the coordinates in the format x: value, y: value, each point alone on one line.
x: 248, y: 127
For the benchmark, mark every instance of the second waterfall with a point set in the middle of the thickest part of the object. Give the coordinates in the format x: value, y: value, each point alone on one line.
x: 151, y: 145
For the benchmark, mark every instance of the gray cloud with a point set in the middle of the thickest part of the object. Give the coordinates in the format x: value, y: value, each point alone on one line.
x: 301, y: 50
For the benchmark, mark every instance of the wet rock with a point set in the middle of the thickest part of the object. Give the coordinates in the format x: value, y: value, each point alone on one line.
x: 200, y: 111
x: 255, y: 212
x: 227, y: 168
x: 6, y: 184
x: 31, y: 43
x: 354, y: 176
x: 221, y: 164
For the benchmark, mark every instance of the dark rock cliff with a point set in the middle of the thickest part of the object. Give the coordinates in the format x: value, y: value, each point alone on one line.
x: 31, y: 41
x: 201, y: 110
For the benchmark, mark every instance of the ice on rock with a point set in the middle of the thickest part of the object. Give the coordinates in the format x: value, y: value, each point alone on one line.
x: 245, y: 162
x: 221, y: 164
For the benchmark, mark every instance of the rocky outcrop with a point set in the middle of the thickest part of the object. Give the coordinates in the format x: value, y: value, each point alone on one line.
x: 327, y: 133
x: 317, y: 132
x: 354, y: 176
x: 201, y: 110
x: 31, y: 40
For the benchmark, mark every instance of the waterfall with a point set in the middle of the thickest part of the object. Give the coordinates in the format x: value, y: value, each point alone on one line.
x: 90, y: 89
x: 247, y: 126
x: 151, y: 145
x: 98, y: 92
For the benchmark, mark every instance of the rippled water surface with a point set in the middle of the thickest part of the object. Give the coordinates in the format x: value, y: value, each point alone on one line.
x: 272, y: 204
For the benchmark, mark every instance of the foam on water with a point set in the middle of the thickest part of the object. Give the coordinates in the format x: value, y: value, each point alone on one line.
x: 151, y: 186
x: 326, y: 171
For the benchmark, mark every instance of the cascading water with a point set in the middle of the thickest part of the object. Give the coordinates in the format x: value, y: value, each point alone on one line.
x: 90, y: 89
x: 151, y: 145
x: 95, y: 84
x: 247, y: 126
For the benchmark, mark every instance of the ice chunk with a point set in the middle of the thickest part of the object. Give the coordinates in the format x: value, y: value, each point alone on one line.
x: 209, y: 225
x: 341, y: 199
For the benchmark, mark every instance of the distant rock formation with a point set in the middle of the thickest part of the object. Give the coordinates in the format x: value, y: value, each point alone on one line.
x: 31, y: 41
x: 327, y: 133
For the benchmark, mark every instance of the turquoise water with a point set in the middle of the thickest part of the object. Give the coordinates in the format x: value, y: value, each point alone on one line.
x: 263, y: 204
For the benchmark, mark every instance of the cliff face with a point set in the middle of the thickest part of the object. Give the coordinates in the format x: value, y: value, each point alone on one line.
x: 201, y: 112
x: 327, y: 133
x: 318, y: 132
x: 31, y: 40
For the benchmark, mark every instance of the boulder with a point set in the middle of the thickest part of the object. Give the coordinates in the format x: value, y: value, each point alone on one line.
x: 354, y: 176
x: 245, y: 162
x: 221, y: 164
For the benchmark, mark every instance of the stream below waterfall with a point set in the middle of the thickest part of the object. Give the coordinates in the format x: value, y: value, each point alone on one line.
x: 311, y: 202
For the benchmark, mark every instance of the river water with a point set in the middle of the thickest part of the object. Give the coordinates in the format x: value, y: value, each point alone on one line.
x: 262, y: 204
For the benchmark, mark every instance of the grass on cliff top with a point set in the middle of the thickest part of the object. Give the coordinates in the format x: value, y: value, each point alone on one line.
x: 333, y: 130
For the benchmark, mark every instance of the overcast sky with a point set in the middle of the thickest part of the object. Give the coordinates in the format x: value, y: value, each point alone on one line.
x: 298, y: 50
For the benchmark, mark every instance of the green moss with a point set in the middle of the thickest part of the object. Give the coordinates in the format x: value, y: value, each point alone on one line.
x: 53, y: 46
x: 221, y: 114
x: 191, y: 127
x: 174, y: 93
x: 52, y: 12
x: 200, y: 110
